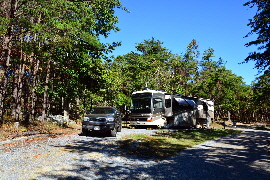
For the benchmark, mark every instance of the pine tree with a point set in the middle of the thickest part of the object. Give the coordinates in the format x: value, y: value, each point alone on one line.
x: 260, y: 25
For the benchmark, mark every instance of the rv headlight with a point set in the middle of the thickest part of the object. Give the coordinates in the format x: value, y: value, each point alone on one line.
x: 110, y: 119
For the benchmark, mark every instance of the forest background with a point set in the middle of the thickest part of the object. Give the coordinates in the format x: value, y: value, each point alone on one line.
x: 52, y: 61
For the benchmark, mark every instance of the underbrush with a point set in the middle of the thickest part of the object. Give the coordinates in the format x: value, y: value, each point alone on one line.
x: 263, y: 127
x: 10, y: 130
x: 168, y: 143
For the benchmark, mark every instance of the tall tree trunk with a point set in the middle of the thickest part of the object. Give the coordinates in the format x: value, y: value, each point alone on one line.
x: 33, y: 90
x: 66, y: 108
x: 33, y: 75
x: 3, y: 89
x: 78, y: 109
x: 26, y: 113
x: 45, y: 95
x: 6, y: 55
x: 17, y: 91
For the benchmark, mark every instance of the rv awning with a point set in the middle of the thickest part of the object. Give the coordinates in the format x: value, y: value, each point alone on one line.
x: 185, y: 102
x: 181, y: 101
x: 191, y: 102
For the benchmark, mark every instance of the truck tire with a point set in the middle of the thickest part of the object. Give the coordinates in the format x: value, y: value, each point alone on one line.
x: 85, y: 132
x: 113, y: 132
x: 119, y: 128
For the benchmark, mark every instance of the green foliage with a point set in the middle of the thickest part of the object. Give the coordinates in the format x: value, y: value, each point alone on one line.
x: 184, y: 69
x: 261, y: 97
x: 59, y: 50
x: 217, y: 83
x: 51, y: 54
x: 156, y: 67
x: 261, y: 89
x: 148, y: 67
x: 260, y: 25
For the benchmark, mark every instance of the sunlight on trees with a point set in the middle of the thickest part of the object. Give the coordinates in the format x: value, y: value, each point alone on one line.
x: 53, y: 62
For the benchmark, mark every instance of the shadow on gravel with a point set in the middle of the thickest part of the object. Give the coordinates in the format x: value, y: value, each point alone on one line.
x: 242, y: 157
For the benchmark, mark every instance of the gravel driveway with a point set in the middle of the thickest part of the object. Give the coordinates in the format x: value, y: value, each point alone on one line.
x: 242, y: 156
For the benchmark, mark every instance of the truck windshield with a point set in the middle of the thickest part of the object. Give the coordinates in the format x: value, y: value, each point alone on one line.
x: 101, y: 111
x: 141, y: 105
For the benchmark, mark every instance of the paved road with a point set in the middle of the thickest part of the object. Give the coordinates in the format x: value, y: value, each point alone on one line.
x: 242, y: 156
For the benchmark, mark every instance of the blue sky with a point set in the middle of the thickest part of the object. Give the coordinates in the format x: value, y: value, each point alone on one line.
x: 220, y: 24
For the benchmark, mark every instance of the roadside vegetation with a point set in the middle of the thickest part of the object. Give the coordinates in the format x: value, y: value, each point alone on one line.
x: 264, y: 127
x: 9, y: 131
x: 168, y: 143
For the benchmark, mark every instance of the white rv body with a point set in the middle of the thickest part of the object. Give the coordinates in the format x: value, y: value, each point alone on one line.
x: 156, y: 108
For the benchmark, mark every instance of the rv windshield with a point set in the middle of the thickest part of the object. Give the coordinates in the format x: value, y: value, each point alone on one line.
x: 141, y: 105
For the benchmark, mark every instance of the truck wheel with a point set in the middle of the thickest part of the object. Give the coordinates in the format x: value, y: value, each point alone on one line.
x: 85, y: 131
x: 113, y: 132
x: 119, y: 128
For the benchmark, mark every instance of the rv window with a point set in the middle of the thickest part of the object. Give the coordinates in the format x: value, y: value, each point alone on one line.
x: 142, y: 105
x: 157, y: 102
x: 168, y: 103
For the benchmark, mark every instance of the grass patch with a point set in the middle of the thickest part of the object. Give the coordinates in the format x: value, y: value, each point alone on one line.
x: 217, y: 125
x: 168, y: 143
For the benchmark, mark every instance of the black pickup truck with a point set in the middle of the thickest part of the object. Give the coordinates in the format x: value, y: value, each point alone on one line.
x: 102, y: 119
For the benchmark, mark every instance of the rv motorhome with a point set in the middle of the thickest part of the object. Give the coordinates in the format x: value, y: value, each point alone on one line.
x: 156, y: 108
